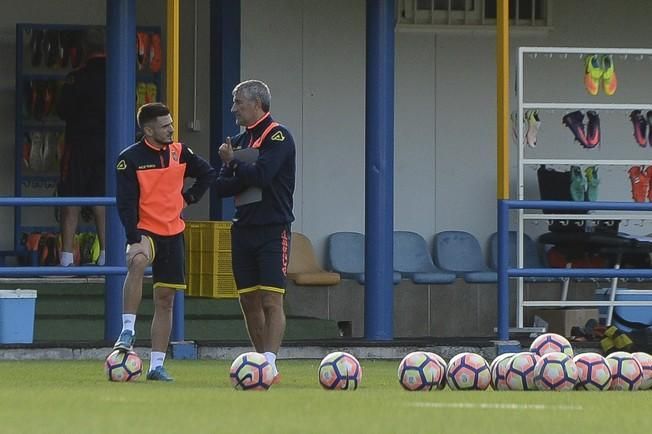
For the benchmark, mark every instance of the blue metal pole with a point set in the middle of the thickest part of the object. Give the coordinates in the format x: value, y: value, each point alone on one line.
x: 379, y: 167
x: 503, y: 280
x: 178, y: 333
x: 225, y: 74
x: 120, y: 132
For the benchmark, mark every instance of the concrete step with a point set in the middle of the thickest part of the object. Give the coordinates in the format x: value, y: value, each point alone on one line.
x: 67, y: 304
x: 201, y: 327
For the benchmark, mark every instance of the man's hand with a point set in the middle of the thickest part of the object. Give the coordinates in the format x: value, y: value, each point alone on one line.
x: 226, y: 151
x: 144, y: 247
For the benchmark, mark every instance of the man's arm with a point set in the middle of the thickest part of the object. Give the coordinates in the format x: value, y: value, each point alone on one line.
x: 227, y: 184
x: 127, y: 197
x: 204, y: 174
x: 277, y: 147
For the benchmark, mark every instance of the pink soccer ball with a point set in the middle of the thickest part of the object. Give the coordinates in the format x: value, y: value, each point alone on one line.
x: 439, y: 359
x: 340, y: 371
x: 646, y: 363
x: 468, y: 371
x: 251, y: 371
x: 551, y: 343
x: 626, y: 371
x: 520, y: 371
x: 420, y: 371
x: 555, y: 371
x: 123, y: 365
x: 593, y: 372
x: 498, y: 369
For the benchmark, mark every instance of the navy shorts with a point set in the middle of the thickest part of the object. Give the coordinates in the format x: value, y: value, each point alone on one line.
x: 260, y: 256
x: 169, y: 266
x: 81, y: 176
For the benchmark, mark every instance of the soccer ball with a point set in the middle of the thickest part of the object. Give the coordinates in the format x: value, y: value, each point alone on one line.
x: 123, y: 366
x: 251, y: 371
x: 593, y: 372
x: 439, y: 359
x: 551, y: 343
x: 626, y: 371
x: 498, y: 369
x: 340, y: 371
x: 420, y: 371
x: 555, y: 371
x: 468, y: 371
x: 646, y: 363
x: 520, y: 371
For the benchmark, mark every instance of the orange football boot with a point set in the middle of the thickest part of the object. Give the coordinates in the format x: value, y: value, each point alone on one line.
x: 592, y: 74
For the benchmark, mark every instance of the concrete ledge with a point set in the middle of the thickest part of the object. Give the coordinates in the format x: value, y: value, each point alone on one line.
x: 390, y: 351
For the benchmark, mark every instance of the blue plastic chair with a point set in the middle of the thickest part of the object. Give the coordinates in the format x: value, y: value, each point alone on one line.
x: 345, y: 255
x: 531, y: 257
x: 460, y: 252
x: 413, y: 261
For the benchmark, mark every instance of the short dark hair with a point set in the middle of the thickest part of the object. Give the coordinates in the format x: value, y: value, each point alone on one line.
x: 149, y: 112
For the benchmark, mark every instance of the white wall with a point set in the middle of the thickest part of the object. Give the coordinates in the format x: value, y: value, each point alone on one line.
x: 445, y: 141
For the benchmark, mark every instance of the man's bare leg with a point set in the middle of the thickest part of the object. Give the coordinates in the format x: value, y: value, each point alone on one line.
x: 133, y: 287
x: 100, y: 223
x: 69, y: 220
x: 162, y: 321
x: 252, y: 308
x: 274, y: 320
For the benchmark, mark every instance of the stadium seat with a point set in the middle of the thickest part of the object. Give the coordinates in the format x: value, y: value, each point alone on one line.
x: 459, y: 252
x: 531, y: 257
x: 412, y: 260
x: 303, y: 267
x: 345, y: 253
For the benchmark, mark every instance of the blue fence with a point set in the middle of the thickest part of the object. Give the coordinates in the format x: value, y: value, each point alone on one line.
x: 113, y: 303
x: 505, y: 272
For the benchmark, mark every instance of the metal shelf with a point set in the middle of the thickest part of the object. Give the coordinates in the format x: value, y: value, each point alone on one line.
x: 530, y: 53
x: 587, y: 216
x: 584, y: 106
x: 587, y: 162
x: 584, y: 50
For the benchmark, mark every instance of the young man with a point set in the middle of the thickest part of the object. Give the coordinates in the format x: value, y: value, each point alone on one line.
x: 263, y: 184
x: 150, y: 197
x: 82, y: 104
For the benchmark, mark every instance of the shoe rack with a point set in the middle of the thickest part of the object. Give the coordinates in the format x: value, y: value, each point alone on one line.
x: 609, y: 101
x: 45, y: 54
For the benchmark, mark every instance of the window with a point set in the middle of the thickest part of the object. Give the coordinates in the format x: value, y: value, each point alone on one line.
x: 472, y: 14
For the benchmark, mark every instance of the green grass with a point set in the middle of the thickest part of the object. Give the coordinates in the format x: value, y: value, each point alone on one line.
x: 74, y: 397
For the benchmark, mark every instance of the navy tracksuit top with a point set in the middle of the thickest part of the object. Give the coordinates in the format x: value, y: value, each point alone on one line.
x: 273, y: 172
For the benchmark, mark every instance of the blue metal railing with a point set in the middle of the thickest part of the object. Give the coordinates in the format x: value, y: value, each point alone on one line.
x: 113, y: 304
x: 505, y: 272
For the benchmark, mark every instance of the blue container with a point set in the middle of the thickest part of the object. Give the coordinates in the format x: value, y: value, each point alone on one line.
x: 634, y: 314
x: 17, y: 307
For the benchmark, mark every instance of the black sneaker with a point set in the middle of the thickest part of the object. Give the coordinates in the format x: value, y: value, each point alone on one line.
x: 159, y: 374
x: 639, y: 127
x: 575, y: 122
x: 125, y: 341
x: 593, y: 129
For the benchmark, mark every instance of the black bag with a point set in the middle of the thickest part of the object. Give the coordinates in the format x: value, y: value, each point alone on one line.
x: 555, y: 185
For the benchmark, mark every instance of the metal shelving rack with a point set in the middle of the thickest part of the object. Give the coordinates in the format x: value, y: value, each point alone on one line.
x: 523, y: 162
x: 44, y: 183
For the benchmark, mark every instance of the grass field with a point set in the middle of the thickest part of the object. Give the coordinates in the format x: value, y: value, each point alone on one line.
x: 74, y: 397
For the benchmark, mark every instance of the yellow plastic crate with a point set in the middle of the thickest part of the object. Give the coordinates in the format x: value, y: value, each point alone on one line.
x: 208, y: 260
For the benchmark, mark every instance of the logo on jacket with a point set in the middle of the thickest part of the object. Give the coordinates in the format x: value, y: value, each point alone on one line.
x: 122, y: 165
x: 278, y: 136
